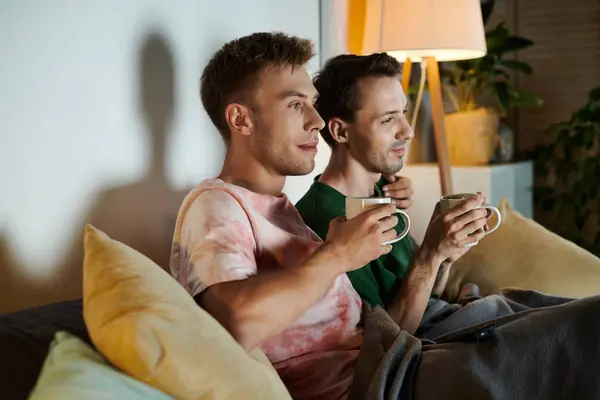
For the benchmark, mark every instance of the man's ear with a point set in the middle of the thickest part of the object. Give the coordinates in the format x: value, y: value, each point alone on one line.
x: 338, y: 129
x: 239, y: 118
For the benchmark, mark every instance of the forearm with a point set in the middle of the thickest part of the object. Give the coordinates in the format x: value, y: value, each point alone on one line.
x: 408, y: 307
x: 442, y: 278
x: 256, y: 309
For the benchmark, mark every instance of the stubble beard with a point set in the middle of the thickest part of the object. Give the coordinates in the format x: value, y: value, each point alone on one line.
x: 392, y: 169
x: 266, y: 153
x: 382, y: 164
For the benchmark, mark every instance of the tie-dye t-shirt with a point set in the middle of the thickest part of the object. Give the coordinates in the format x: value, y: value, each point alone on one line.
x: 225, y: 232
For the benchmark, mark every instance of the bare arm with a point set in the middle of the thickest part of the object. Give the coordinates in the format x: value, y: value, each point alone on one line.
x: 442, y: 278
x: 408, y: 307
x: 447, y: 235
x: 258, y: 308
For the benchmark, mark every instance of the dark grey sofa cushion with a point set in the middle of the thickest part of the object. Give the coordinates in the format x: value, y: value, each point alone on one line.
x: 25, y: 337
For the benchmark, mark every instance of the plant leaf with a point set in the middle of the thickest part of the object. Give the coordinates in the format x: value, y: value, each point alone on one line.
x: 466, y: 66
x: 517, y: 65
x: 485, y: 63
x: 522, y: 98
x: 593, y: 191
x: 495, y: 39
x: 594, y: 95
x: 589, y: 136
x: 514, y: 43
x: 595, y: 116
x: 563, y: 136
x: 577, y: 137
x: 500, y: 72
x: 589, y: 168
x: 555, y: 128
x: 502, y: 95
x: 487, y: 8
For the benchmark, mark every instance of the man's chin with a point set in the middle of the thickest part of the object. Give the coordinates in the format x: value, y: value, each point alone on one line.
x: 392, y: 169
x: 300, y: 170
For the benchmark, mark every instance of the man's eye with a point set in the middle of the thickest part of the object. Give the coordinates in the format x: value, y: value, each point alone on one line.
x: 387, y: 120
x: 296, y: 105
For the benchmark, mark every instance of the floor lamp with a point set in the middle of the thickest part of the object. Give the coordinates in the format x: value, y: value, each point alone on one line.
x: 428, y: 31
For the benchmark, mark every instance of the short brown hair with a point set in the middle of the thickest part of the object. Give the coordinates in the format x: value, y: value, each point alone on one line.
x: 234, y: 69
x: 337, y: 84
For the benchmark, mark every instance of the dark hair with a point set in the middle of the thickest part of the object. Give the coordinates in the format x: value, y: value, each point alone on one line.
x: 233, y: 70
x: 337, y: 84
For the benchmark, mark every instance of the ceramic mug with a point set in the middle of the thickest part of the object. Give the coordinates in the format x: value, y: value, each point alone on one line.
x: 449, y: 201
x: 357, y: 205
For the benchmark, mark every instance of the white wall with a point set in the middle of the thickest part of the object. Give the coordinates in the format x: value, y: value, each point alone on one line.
x: 88, y: 90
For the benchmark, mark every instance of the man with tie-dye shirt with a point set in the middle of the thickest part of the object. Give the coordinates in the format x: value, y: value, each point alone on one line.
x: 241, y: 248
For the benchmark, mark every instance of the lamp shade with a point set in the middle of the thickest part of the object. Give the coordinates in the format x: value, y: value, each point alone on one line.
x: 447, y: 30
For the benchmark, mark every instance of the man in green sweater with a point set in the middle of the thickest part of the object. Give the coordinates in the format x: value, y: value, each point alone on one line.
x: 362, y: 102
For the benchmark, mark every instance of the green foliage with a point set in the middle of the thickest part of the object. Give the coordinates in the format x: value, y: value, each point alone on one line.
x: 567, y: 194
x: 477, y: 79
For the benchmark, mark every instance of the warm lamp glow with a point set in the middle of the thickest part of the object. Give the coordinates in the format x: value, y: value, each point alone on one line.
x: 447, y: 30
x: 438, y: 54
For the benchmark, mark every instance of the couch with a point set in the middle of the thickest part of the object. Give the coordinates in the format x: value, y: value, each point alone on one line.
x: 520, y: 253
x: 25, y: 338
x: 135, y: 334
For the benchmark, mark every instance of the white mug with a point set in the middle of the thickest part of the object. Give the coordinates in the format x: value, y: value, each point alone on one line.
x: 449, y: 201
x: 357, y: 205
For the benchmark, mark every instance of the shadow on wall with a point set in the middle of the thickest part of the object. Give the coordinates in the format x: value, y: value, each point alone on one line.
x: 141, y: 214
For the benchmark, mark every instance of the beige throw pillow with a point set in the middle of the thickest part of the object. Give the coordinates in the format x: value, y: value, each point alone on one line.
x: 146, y: 324
x: 522, y: 253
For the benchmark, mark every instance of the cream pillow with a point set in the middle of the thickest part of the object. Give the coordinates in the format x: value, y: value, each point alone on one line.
x: 522, y: 253
x: 74, y: 370
x: 146, y: 324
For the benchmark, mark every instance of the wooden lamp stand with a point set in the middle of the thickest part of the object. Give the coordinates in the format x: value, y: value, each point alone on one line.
x: 437, y: 114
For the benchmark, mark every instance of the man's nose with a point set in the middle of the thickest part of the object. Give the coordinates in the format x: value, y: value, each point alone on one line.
x: 405, y: 132
x: 315, y: 121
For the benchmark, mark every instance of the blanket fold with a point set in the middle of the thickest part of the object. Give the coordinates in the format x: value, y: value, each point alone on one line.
x: 542, y: 347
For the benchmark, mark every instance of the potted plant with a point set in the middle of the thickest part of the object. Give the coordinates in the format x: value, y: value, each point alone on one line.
x: 480, y: 93
x: 567, y: 165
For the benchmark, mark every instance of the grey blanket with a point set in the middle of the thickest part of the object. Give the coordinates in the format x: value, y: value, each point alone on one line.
x: 542, y: 348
